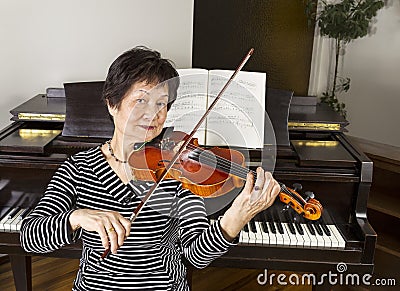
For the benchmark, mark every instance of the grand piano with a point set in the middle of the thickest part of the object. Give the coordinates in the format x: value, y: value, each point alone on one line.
x: 313, y: 155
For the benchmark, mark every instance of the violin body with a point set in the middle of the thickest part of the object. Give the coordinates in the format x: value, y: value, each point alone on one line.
x: 203, y: 179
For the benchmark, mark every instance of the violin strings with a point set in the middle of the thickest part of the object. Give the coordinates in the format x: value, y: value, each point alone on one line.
x: 224, y: 164
x: 229, y: 166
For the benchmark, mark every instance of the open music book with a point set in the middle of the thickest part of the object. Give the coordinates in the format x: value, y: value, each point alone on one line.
x: 238, y: 117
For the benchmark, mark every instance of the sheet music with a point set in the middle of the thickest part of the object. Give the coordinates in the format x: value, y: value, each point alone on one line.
x: 238, y: 117
x: 191, y: 102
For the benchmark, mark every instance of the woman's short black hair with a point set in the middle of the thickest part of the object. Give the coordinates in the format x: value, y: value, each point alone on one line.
x: 139, y: 64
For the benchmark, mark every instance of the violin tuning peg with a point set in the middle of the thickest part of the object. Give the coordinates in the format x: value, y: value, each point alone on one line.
x: 297, y: 186
x: 309, y: 195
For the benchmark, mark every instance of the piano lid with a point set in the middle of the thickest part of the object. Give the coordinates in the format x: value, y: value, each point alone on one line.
x: 321, y: 118
x: 86, y: 114
x: 40, y: 108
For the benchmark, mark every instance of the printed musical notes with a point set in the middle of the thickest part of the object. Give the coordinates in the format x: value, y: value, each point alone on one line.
x: 238, y: 117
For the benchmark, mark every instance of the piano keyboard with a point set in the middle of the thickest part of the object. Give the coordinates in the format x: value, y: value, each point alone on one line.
x: 263, y: 230
x: 11, y: 218
x: 292, y: 234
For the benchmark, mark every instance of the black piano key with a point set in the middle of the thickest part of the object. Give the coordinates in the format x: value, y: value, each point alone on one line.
x: 4, y: 211
x: 291, y: 227
x: 12, y: 213
x: 264, y: 227
x: 325, y: 229
x: 291, y: 222
x: 246, y: 228
x: 24, y: 213
x: 324, y: 221
x: 311, y: 228
x: 318, y: 228
x: 268, y: 218
x: 272, y: 226
x: 280, y: 228
x: 278, y: 219
x: 299, y: 228
x: 252, y: 226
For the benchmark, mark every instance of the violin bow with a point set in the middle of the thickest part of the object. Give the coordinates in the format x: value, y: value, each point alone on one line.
x: 183, y: 146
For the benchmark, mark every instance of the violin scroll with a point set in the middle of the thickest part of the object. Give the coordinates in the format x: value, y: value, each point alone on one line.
x: 308, y: 207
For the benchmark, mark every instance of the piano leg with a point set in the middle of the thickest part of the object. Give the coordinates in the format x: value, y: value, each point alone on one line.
x: 22, y: 271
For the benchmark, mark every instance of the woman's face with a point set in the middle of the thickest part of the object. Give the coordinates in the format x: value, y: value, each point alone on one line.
x: 142, y: 112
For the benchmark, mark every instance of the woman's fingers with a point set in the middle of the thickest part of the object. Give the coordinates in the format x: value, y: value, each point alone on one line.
x: 121, y: 229
x: 249, y: 183
x: 103, y: 235
x: 127, y: 225
x: 264, y: 192
x: 268, y: 186
x: 276, y: 189
x: 117, y: 230
x: 111, y: 226
x: 261, y: 185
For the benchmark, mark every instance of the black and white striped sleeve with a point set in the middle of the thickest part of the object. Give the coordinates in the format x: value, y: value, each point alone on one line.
x: 47, y: 228
x: 201, y: 242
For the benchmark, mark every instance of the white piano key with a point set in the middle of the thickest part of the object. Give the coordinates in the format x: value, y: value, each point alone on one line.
x: 261, y: 236
x: 292, y: 237
x: 336, y: 233
x: 16, y: 224
x: 320, y: 240
x: 326, y: 240
x: 280, y: 238
x: 25, y: 213
x: 5, y: 218
x: 305, y: 237
x: 272, y: 236
x: 334, y: 240
x: 252, y: 235
x: 313, y: 238
x: 331, y: 238
x: 300, y: 237
x: 284, y: 238
x: 9, y: 225
x: 244, y: 237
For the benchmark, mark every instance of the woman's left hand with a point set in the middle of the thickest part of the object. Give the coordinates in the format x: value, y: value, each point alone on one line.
x: 249, y: 202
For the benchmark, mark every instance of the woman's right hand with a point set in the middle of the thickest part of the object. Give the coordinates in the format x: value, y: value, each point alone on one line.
x: 112, y: 227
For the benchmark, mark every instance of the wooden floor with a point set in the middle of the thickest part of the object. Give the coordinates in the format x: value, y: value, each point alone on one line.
x: 58, y: 274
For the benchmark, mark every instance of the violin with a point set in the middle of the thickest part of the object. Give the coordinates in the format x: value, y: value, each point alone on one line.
x: 207, y: 172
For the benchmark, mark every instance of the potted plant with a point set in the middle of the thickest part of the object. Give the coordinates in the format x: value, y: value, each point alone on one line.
x: 343, y: 21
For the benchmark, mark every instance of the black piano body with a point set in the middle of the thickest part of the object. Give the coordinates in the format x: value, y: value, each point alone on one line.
x: 315, y: 152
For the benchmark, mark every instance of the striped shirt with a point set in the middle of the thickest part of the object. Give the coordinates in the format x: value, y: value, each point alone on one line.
x: 172, y: 225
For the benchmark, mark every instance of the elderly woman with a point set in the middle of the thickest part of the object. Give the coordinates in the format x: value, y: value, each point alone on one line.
x: 92, y: 195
